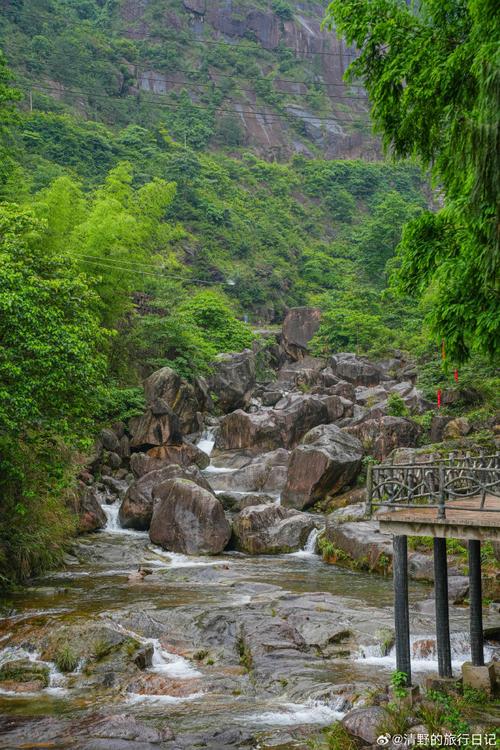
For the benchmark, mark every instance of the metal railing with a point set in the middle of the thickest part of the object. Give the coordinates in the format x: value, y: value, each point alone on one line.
x: 434, y: 483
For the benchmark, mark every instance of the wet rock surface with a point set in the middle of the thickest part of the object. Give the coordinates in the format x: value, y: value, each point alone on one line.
x: 271, y: 529
x: 326, y: 461
x: 187, y: 518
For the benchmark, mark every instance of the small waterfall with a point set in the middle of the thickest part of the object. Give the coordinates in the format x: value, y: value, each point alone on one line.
x: 310, y: 546
x: 309, y: 549
x: 16, y: 653
x: 111, y: 511
x: 207, y: 441
x: 424, y: 653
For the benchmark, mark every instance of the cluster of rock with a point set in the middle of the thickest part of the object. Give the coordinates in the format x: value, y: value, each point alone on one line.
x: 301, y: 436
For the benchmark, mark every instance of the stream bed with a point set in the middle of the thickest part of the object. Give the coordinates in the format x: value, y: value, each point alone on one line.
x: 233, y: 651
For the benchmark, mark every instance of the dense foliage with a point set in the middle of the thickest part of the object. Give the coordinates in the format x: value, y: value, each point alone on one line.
x: 432, y: 70
x: 138, y: 231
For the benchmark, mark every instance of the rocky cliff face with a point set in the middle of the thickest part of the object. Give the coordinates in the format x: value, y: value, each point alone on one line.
x: 287, y: 97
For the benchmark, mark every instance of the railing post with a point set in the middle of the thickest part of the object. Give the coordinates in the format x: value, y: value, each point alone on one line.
x: 442, y: 494
x: 369, y: 489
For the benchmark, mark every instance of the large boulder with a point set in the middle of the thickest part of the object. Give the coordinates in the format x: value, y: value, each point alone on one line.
x: 158, y: 426
x: 306, y: 372
x: 361, y: 541
x: 274, y: 428
x: 348, y: 366
x: 184, y: 398
x: 157, y: 458
x: 327, y: 460
x: 364, y: 723
x: 299, y: 326
x: 265, y: 473
x: 136, y: 509
x: 271, y: 530
x: 380, y: 436
x: 91, y: 516
x: 233, y: 379
x: 188, y: 519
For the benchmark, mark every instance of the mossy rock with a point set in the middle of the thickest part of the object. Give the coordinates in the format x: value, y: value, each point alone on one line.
x: 24, y: 670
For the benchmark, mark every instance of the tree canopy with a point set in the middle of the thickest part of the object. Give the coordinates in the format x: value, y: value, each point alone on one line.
x: 432, y: 72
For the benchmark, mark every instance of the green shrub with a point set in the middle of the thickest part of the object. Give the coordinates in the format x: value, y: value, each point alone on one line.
x: 65, y: 659
x: 396, y: 407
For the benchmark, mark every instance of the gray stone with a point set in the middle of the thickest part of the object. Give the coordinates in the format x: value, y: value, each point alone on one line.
x: 364, y: 723
x: 188, y: 519
x: 233, y: 379
x: 299, y: 326
x: 326, y: 461
x: 271, y: 529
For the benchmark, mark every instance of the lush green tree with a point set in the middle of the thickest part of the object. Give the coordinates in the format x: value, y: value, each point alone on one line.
x: 52, y: 369
x: 432, y: 71
x: 189, y: 336
x: 8, y: 116
x: 50, y: 340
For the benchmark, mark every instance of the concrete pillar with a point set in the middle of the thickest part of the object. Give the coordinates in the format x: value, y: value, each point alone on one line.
x: 476, y: 603
x: 401, y: 613
x: 442, y: 613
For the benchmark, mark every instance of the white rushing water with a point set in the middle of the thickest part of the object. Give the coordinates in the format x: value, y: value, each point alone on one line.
x: 57, y: 680
x: 163, y: 661
x: 293, y: 714
x: 309, y: 549
x: 112, y: 523
x: 424, y: 653
x: 207, y: 441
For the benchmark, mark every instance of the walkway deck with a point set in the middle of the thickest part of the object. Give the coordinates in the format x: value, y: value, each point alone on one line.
x: 461, y: 521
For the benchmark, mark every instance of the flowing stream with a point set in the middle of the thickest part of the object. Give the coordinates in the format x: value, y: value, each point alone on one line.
x: 182, y: 607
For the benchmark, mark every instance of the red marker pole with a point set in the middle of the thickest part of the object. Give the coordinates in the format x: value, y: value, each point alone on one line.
x: 439, y: 398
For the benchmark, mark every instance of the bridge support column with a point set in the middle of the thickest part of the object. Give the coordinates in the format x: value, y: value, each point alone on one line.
x: 442, y: 611
x: 401, y: 613
x: 476, y: 603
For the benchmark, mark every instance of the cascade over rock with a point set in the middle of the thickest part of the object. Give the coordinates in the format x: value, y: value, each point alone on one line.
x: 271, y: 529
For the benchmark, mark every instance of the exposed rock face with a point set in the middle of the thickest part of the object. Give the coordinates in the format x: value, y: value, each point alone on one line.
x: 184, y: 455
x: 91, y: 515
x: 364, y: 723
x: 158, y: 426
x: 184, y: 399
x: 266, y: 473
x: 188, y: 519
x: 233, y: 379
x: 270, y: 530
x: 299, y: 326
x: 326, y: 461
x: 348, y: 366
x: 274, y: 428
x: 361, y: 540
x: 380, y: 436
x: 457, y: 428
x: 235, y: 501
x: 137, y: 506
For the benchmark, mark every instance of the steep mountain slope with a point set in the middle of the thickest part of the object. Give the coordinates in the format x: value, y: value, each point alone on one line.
x: 260, y: 74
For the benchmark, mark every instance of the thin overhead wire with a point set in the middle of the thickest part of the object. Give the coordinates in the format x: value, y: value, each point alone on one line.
x: 213, y: 109
x: 109, y: 264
